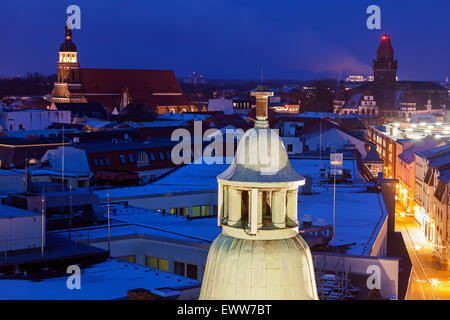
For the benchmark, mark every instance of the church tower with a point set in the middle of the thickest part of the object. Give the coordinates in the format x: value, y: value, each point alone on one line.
x: 68, y: 86
x: 259, y: 254
x: 385, y: 67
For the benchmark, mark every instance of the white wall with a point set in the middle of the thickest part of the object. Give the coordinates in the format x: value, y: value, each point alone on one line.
x: 33, y: 119
x: 172, y: 250
x: 13, y: 182
x: 388, y: 267
x: 168, y: 201
x: 221, y: 104
x: 297, y: 145
x: 20, y: 233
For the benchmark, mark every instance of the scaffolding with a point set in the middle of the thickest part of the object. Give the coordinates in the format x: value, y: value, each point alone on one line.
x: 333, y: 281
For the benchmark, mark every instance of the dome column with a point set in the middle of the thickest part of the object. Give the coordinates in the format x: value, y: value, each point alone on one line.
x: 235, y: 200
x: 255, y: 211
x: 292, y: 199
x: 279, y: 209
x: 220, y: 192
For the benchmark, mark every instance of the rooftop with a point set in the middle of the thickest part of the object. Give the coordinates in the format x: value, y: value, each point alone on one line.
x: 100, y: 281
x: 7, y: 212
x: 202, y: 177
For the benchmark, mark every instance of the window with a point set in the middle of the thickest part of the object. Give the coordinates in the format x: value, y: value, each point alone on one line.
x: 167, y: 154
x: 178, y: 268
x: 130, y: 158
x: 131, y: 259
x: 289, y: 147
x: 122, y: 159
x: 95, y: 162
x: 152, y: 262
x: 196, y: 211
x: 185, y: 269
x: 200, y: 211
x: 152, y: 155
x: 163, y: 264
x: 161, y: 155
x: 107, y: 161
x: 191, y: 271
x: 100, y: 161
x: 142, y: 159
x: 157, y: 263
x: 180, y: 211
x: 20, y: 126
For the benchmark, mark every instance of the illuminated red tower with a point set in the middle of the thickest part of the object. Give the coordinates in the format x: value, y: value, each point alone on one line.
x: 385, y: 67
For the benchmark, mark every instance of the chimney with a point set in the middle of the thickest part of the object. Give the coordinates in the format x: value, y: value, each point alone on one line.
x: 262, y: 94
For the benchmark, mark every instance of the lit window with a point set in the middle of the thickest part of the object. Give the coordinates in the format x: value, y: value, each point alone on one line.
x: 157, y: 263
x: 161, y: 155
x: 152, y: 155
x: 107, y: 161
x: 130, y: 158
x: 95, y: 162
x: 131, y: 259
x: 142, y: 159
x: 122, y: 159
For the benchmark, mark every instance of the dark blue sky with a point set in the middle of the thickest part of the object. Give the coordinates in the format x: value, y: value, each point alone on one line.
x: 292, y: 39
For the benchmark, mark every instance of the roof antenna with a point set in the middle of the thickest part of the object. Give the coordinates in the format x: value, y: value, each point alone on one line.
x: 262, y: 74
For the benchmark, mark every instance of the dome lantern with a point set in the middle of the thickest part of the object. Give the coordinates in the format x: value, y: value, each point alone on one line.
x: 259, y: 254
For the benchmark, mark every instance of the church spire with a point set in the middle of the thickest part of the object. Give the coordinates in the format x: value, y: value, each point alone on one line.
x: 385, y: 67
x: 68, y: 32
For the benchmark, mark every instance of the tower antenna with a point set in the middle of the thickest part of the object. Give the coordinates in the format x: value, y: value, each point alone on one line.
x: 109, y: 221
x: 62, y: 164
x: 262, y: 74
x: 42, y: 222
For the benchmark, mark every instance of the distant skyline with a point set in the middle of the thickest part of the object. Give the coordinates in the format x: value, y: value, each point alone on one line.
x: 230, y: 39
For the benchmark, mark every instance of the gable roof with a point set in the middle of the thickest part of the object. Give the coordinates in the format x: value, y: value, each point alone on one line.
x: 136, y: 80
x: 151, y: 87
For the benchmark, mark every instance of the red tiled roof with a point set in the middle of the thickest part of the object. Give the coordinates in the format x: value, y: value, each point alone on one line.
x: 113, y: 80
x: 152, y: 87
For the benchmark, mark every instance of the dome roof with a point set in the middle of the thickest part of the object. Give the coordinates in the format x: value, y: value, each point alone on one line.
x: 308, y: 218
x: 261, y: 157
x: 320, y: 222
x: 239, y: 269
x: 68, y: 46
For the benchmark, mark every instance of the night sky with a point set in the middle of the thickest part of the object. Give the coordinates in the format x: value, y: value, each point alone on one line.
x: 291, y: 39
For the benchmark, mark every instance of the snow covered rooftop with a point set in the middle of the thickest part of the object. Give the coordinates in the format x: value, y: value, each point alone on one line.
x: 12, y: 212
x: 201, y: 177
x: 102, y: 281
x: 359, y: 214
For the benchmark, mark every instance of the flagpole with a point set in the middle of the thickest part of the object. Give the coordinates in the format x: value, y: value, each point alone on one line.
x: 109, y: 223
x: 42, y: 223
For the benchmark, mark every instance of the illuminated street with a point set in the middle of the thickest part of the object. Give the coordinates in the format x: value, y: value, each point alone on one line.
x: 426, y: 267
